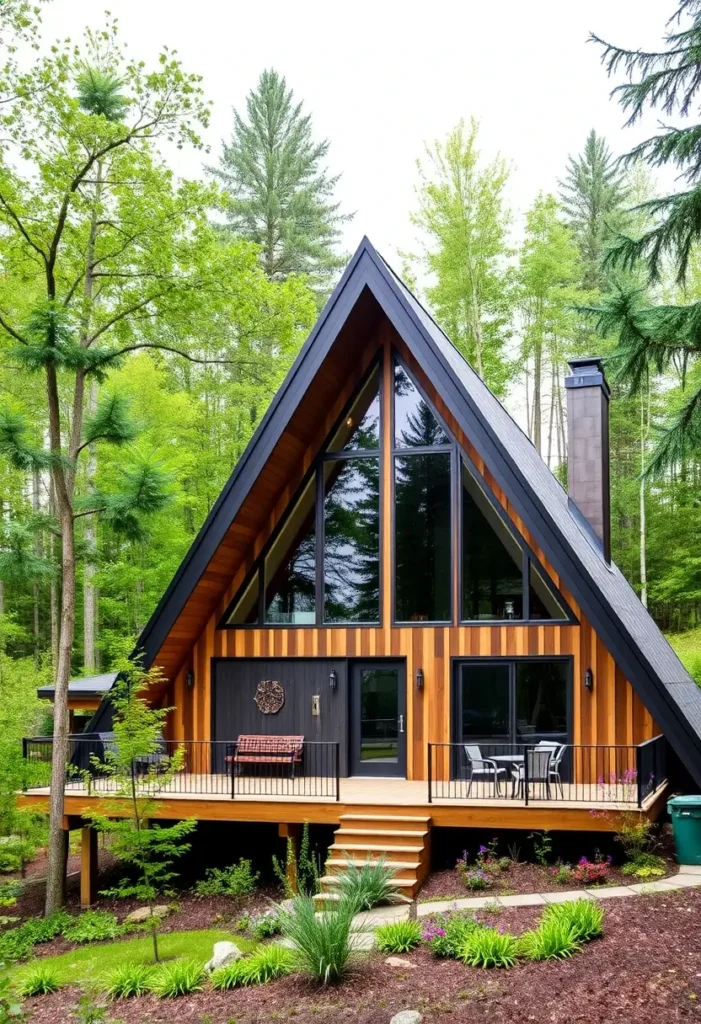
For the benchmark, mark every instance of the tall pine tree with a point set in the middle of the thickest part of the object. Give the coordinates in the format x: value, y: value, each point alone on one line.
x: 282, y: 196
x: 592, y: 194
x: 662, y: 336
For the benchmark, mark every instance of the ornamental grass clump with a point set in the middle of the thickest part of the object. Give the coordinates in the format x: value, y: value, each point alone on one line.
x: 367, y: 886
x: 584, y: 918
x: 42, y: 980
x: 266, y: 964
x: 322, y: 944
x: 178, y: 979
x: 130, y: 981
x: 552, y: 940
x: 398, y: 936
x: 488, y: 947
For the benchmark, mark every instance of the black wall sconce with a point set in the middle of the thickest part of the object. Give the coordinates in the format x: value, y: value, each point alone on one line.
x: 333, y: 679
x: 190, y: 679
x: 420, y: 679
x: 589, y: 679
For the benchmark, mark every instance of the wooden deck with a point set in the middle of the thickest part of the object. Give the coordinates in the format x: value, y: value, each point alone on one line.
x: 209, y: 797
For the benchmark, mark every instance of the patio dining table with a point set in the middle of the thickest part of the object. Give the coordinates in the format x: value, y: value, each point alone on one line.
x: 511, y: 759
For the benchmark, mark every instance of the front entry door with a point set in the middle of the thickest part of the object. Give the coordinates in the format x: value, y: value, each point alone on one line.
x: 378, y: 719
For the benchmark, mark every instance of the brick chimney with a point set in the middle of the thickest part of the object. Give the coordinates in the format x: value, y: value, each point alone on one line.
x: 588, y: 445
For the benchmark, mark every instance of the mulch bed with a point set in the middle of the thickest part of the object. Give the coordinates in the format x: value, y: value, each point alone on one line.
x: 520, y: 878
x: 646, y: 969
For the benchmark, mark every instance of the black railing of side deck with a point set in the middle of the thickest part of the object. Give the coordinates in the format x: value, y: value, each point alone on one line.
x: 588, y: 774
x: 194, y: 768
x: 651, y: 766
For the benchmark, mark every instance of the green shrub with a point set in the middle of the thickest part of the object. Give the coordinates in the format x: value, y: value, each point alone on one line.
x: 398, y: 936
x: 322, y: 944
x: 93, y: 926
x: 178, y: 979
x: 242, y: 924
x: 266, y: 964
x: 15, y: 944
x: 237, y: 880
x: 584, y: 918
x: 42, y: 980
x: 645, y: 865
x: 10, y: 1005
x: 266, y: 926
x: 487, y: 947
x: 367, y: 886
x: 44, y: 929
x: 129, y: 981
x: 14, y: 851
x: 9, y: 891
x: 552, y: 940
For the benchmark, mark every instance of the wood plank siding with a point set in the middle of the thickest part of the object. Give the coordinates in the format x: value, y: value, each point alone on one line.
x: 609, y: 714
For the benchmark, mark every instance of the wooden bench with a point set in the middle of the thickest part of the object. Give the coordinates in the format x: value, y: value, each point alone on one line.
x: 267, y: 750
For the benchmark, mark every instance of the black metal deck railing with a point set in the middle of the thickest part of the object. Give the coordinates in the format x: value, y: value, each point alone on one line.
x: 578, y: 773
x: 203, y: 768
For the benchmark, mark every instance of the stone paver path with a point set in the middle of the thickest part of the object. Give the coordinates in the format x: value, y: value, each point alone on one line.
x: 689, y: 876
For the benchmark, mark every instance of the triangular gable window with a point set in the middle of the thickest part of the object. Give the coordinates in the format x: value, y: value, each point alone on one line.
x: 415, y: 425
x: 330, y: 533
x: 500, y: 578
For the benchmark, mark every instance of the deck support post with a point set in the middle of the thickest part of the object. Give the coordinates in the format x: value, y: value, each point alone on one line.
x: 88, y: 866
x: 291, y: 831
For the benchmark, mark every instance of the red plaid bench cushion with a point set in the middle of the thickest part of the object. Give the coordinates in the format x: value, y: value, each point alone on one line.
x: 268, y: 749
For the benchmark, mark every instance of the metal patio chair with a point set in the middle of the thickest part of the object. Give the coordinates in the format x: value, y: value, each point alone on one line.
x: 482, y: 766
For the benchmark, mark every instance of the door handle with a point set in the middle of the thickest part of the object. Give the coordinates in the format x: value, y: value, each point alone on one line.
x: 401, y: 723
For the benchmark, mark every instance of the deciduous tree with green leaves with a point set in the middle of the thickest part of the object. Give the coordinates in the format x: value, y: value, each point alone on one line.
x: 464, y: 224
x: 137, y: 770
x: 282, y: 196
x: 104, y: 253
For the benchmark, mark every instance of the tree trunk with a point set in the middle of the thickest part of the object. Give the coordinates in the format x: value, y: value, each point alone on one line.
x: 90, y: 595
x: 643, y: 510
x: 56, y: 876
x: 537, y: 394
x: 36, y: 508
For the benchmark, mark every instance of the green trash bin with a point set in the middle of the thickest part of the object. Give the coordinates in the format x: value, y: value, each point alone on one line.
x: 685, y: 812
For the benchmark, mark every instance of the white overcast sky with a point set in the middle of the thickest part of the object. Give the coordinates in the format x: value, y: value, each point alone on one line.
x: 381, y: 77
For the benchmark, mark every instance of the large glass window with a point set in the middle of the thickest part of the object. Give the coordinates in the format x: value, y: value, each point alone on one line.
x: 360, y: 427
x: 352, y: 540
x: 422, y: 537
x: 512, y: 702
x: 245, y: 611
x: 542, y: 601
x: 290, y: 567
x: 492, y: 559
x: 415, y: 426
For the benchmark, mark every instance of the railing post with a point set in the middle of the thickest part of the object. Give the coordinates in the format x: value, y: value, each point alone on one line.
x: 639, y: 773
x: 233, y: 770
x: 525, y: 775
x: 430, y: 751
x: 338, y: 770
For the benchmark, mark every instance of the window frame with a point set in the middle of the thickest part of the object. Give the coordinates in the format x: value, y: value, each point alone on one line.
x: 316, y: 472
x: 527, y: 553
x: 450, y: 449
x: 512, y: 661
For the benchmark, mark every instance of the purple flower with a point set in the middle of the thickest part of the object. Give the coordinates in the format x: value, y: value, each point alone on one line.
x: 483, y: 849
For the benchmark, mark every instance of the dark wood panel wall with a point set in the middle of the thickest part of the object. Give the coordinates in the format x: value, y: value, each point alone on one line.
x: 610, y: 714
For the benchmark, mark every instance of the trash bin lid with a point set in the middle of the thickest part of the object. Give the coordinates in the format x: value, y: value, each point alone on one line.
x: 690, y: 800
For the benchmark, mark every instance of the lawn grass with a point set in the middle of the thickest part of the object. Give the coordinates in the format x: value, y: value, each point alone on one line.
x: 688, y: 648
x: 95, y: 965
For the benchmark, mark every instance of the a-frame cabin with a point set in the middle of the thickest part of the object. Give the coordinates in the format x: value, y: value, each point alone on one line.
x: 395, y: 616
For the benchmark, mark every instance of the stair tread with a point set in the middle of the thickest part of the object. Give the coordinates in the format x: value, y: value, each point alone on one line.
x: 379, y: 848
x: 402, y: 865
x: 401, y: 882
x: 402, y: 833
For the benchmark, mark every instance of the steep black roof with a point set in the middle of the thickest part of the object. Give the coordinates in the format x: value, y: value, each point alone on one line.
x: 606, y: 598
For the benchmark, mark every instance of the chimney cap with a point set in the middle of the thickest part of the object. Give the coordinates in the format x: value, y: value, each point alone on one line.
x: 587, y: 372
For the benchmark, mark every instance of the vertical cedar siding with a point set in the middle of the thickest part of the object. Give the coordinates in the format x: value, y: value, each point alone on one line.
x: 610, y: 714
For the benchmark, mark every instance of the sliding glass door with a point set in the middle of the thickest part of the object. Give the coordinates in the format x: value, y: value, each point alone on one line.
x: 515, y: 702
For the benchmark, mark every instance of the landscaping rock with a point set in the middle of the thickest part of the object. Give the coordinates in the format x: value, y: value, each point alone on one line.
x: 399, y: 961
x: 407, y: 1017
x: 224, y: 953
x: 286, y: 906
x: 143, y: 913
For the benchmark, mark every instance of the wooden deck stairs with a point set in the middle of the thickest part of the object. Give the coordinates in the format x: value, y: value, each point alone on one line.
x: 403, y: 840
